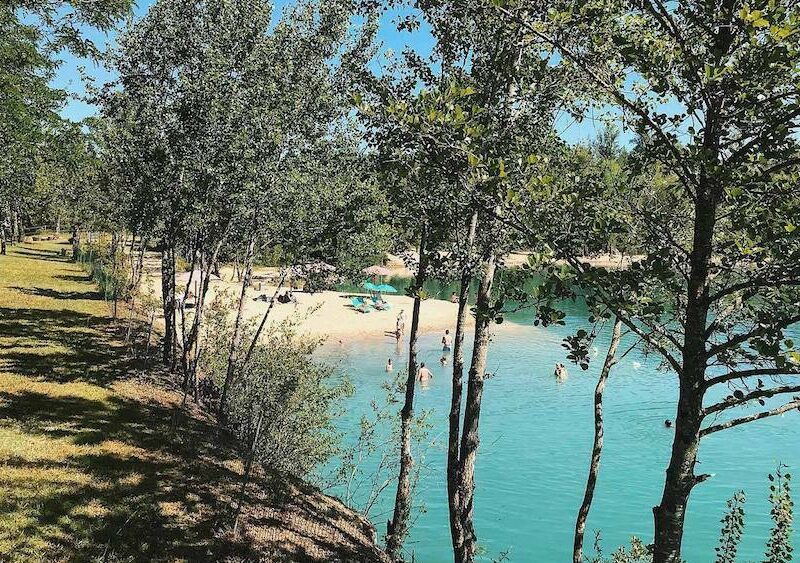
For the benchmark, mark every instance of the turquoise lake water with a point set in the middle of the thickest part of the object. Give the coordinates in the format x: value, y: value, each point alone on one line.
x: 536, y: 435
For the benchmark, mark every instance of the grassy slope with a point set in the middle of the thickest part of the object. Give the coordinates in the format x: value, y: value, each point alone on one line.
x: 90, y: 467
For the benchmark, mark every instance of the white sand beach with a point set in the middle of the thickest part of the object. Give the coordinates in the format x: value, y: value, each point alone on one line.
x: 324, y: 313
x: 330, y: 313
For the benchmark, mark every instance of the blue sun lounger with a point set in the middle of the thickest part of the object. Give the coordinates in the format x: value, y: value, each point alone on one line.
x: 358, y: 303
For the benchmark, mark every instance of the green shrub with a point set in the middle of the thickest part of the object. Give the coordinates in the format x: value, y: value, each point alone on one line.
x: 298, y: 396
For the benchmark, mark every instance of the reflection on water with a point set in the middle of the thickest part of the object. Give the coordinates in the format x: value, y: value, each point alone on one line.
x: 535, y: 438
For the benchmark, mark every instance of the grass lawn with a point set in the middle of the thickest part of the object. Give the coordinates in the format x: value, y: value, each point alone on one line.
x: 97, y: 462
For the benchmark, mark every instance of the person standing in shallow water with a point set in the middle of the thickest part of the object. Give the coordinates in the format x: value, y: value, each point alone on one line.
x: 401, y: 322
x: 389, y: 366
x: 424, y: 375
x: 447, y: 341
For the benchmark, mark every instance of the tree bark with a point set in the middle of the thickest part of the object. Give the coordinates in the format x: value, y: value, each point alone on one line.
x: 397, y: 527
x: 76, y: 243
x: 597, y: 447
x: 669, y: 516
x: 168, y: 298
x: 236, y: 339
x: 190, y: 355
x: 456, y: 530
x: 16, y: 235
x: 470, y: 438
x: 114, y: 245
x: 261, y: 325
x: 247, y: 468
x: 138, y: 266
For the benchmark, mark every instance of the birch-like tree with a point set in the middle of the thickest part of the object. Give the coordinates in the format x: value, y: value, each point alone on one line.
x: 711, y: 89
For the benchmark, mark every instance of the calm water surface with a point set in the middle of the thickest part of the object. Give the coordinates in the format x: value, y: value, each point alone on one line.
x: 536, y: 434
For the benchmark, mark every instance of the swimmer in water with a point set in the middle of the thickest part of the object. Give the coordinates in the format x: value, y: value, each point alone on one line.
x: 668, y: 423
x: 424, y: 375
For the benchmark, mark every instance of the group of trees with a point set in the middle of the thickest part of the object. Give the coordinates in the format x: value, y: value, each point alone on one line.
x: 232, y: 131
x: 48, y: 165
x: 708, y: 195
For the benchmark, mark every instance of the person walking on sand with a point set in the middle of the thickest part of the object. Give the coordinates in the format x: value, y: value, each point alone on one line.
x: 401, y: 322
x: 447, y: 341
x: 424, y: 375
x: 389, y: 366
x: 453, y: 297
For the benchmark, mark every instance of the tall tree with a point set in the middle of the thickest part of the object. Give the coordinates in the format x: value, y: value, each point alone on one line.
x: 719, y: 283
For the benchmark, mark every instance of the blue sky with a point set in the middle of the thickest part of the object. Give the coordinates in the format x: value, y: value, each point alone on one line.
x: 68, y: 76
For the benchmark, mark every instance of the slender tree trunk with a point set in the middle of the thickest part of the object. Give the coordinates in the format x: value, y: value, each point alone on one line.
x: 263, y: 323
x: 397, y: 528
x: 76, y: 243
x: 58, y: 224
x: 236, y: 339
x: 669, y: 515
x: 168, y: 298
x: 192, y: 343
x: 456, y: 531
x: 16, y: 236
x: 149, y: 335
x: 2, y: 239
x: 597, y: 447
x: 114, y: 244
x: 138, y: 266
x: 247, y: 468
x: 470, y: 438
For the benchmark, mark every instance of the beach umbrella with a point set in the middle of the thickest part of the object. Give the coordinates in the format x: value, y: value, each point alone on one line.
x: 369, y: 286
x: 386, y: 288
x: 377, y: 271
x: 312, y: 268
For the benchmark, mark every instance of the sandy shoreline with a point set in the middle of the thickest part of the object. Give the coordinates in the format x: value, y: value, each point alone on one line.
x: 326, y: 314
x: 329, y: 314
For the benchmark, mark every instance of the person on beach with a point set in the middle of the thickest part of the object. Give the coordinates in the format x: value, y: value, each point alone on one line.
x: 447, y: 341
x: 424, y: 375
x: 401, y: 321
x: 389, y: 366
x: 453, y: 297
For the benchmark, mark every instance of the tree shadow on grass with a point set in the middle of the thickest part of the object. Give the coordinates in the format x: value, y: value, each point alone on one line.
x: 62, y: 345
x: 104, y: 470
x: 148, y: 494
x: 74, y: 278
x: 55, y: 294
x: 41, y: 254
x: 145, y: 497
